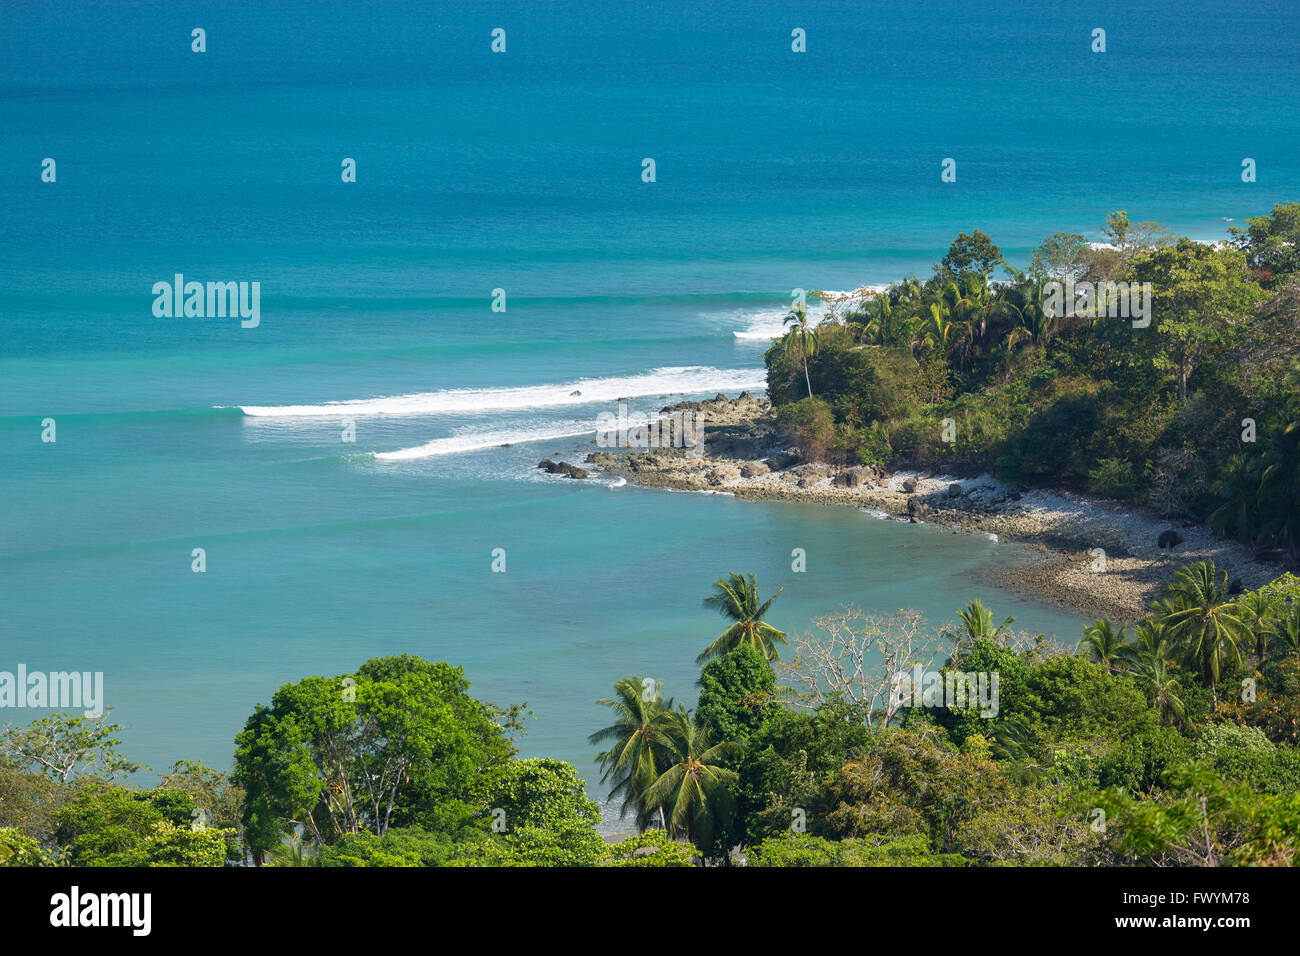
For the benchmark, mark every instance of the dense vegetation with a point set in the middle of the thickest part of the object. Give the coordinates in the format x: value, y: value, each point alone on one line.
x: 1175, y: 744
x: 1196, y: 414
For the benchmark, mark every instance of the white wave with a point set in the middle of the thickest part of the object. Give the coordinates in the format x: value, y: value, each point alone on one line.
x: 476, y: 441
x: 676, y: 380
x: 618, y: 482
x: 769, y: 324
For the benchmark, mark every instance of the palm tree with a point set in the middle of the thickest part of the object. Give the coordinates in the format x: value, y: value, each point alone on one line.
x: 1239, y: 493
x: 801, y: 340
x: 693, y: 786
x: 1104, y: 643
x: 1256, y: 610
x: 1151, y: 642
x: 637, y: 753
x: 1203, y: 623
x: 978, y: 621
x: 736, y: 598
x: 1288, y: 626
x: 1155, y: 677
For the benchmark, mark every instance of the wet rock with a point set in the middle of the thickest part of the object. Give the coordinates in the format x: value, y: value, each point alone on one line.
x: 562, y: 468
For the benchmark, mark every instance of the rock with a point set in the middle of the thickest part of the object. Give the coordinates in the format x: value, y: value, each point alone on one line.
x: 853, y: 477
x: 1235, y: 587
x: 1169, y: 539
x: 722, y: 474
x: 603, y: 458
x: 562, y: 468
x: 753, y: 469
x: 954, y: 490
x: 909, y: 485
x: 571, y: 394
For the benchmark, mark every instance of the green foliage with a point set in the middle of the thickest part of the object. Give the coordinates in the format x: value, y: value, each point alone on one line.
x: 736, y: 690
x: 652, y: 849
x: 67, y: 747
x: 106, y: 825
x: 797, y: 849
x: 399, y: 743
x: 19, y: 849
x: 540, y: 792
x: 809, y: 424
x: 1114, y: 479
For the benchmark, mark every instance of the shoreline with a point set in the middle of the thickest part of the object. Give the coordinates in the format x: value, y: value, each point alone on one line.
x: 744, y: 456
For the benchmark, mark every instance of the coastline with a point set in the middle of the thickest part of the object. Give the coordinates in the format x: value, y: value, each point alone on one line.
x: 744, y: 456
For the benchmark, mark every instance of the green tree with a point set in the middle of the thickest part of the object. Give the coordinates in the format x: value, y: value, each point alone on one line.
x: 694, y: 787
x: 736, y: 598
x: 400, y: 742
x: 637, y: 748
x: 1271, y: 243
x: 801, y: 340
x: 67, y: 747
x: 1204, y: 623
x: 1104, y: 643
x: 1199, y: 295
x: 539, y: 792
x: 736, y: 690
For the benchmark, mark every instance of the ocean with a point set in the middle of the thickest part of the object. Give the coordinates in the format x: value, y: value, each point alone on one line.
x: 521, y: 172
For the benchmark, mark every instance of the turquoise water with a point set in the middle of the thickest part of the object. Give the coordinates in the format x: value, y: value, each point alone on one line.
x: 521, y: 172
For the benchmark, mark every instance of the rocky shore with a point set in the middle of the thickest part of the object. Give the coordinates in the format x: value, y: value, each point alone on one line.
x: 1094, y: 555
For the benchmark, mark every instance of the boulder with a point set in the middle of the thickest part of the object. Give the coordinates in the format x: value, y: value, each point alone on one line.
x: 1169, y: 539
x: 910, y: 485
x: 954, y: 490
x: 853, y: 477
x: 562, y: 468
x: 753, y: 469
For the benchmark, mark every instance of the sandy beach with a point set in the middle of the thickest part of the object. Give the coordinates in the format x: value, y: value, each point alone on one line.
x: 1095, y: 555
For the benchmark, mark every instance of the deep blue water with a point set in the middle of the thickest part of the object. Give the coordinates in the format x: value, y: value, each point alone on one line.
x: 522, y: 171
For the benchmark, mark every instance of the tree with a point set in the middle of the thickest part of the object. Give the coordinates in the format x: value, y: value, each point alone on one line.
x: 860, y: 658
x: 398, y: 742
x: 1063, y: 256
x: 978, y: 622
x: 66, y: 747
x: 1129, y: 238
x: 736, y: 690
x: 1204, y: 624
x: 1199, y: 295
x: 801, y: 340
x: 694, y: 786
x: 540, y: 792
x: 971, y: 253
x: 106, y: 825
x: 1104, y: 643
x: 637, y: 748
x: 1158, y: 681
x: 736, y: 598
x: 1271, y: 243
